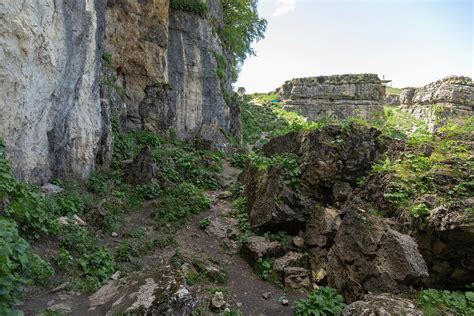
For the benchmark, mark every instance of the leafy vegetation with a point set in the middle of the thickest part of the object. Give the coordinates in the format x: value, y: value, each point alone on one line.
x: 427, y: 155
x: 19, y: 266
x: 324, y: 301
x: 436, y: 302
x: 263, y: 120
x: 198, y: 7
x: 242, y: 26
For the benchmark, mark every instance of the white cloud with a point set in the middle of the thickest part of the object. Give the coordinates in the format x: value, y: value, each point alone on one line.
x: 284, y: 7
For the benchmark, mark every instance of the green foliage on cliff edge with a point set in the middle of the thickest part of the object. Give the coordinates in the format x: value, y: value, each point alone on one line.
x: 242, y: 26
x: 198, y: 7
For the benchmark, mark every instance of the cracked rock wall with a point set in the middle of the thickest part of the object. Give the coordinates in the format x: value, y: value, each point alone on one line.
x: 51, y: 117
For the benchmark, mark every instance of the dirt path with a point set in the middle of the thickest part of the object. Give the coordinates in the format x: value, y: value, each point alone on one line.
x: 245, y: 287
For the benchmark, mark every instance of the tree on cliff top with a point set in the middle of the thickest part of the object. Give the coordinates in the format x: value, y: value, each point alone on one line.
x: 242, y: 26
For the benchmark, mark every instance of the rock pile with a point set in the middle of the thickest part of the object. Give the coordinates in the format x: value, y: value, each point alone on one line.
x: 437, y: 102
x: 351, y: 247
x: 335, y: 97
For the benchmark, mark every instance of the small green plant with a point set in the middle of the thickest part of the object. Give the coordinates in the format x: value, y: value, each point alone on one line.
x: 204, y: 223
x: 324, y: 301
x: 437, y: 302
x: 419, y: 210
x: 107, y: 57
x: 264, y: 268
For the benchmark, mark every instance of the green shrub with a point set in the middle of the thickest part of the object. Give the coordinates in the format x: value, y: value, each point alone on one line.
x: 288, y: 162
x: 238, y: 160
x: 198, y: 7
x: 264, y: 268
x: 437, y: 302
x: 23, y: 202
x: 324, y: 301
x: 178, y: 203
x: 242, y: 26
x: 19, y: 266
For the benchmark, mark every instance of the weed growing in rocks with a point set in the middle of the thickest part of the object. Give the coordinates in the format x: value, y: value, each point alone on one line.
x: 433, y: 302
x: 192, y: 6
x: 324, y: 301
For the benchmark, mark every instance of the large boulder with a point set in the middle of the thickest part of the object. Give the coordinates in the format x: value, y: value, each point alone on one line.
x: 161, y: 292
x: 271, y: 204
x: 369, y: 255
x: 143, y: 168
x: 446, y: 242
x: 382, y: 305
x: 258, y: 247
x: 331, y: 160
x: 335, y: 97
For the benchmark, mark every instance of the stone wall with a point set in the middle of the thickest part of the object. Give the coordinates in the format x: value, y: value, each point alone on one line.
x: 437, y: 102
x: 335, y: 97
x: 51, y: 117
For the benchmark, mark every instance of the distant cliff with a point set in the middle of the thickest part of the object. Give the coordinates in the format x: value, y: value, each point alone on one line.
x: 451, y: 98
x: 335, y: 97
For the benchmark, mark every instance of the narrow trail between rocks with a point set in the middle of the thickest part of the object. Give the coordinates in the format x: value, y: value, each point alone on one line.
x: 244, y: 285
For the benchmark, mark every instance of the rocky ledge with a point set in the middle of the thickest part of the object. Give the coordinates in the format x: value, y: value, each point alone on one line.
x: 335, y: 97
x: 451, y: 98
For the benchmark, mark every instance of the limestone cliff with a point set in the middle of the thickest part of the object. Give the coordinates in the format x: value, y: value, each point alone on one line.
x: 60, y: 90
x: 51, y: 117
x: 335, y: 97
x: 435, y: 103
x: 166, y: 62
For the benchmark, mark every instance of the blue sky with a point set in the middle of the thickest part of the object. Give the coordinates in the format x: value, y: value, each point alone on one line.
x: 410, y: 42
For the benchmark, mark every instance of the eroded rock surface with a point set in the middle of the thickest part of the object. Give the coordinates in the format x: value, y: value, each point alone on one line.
x: 51, y: 118
x: 335, y: 97
x: 369, y: 255
x: 382, y: 305
x: 331, y: 161
x: 437, y: 102
x: 162, y: 292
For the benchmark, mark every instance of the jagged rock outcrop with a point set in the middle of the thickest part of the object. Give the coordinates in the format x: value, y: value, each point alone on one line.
x: 437, y: 102
x: 335, y: 97
x: 349, y: 248
x: 51, y: 119
x: 447, y: 242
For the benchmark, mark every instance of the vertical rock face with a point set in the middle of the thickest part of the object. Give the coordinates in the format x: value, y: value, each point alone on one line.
x: 166, y: 62
x: 137, y: 41
x: 435, y: 103
x: 196, y: 96
x: 51, y: 117
x: 335, y: 97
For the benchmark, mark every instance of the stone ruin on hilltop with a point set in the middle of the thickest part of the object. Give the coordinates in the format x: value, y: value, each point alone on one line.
x: 335, y: 97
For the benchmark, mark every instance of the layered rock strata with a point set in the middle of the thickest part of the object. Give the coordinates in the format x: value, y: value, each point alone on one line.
x: 451, y: 98
x: 335, y: 97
